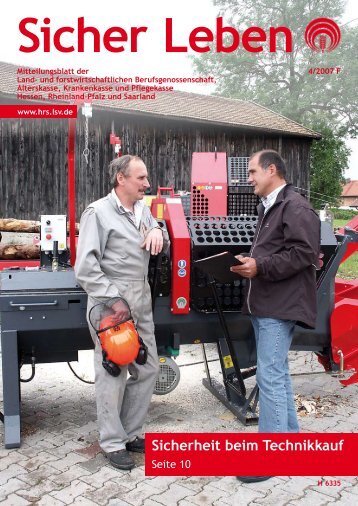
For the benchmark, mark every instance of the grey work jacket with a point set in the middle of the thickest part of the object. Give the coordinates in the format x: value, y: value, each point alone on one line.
x: 109, y: 249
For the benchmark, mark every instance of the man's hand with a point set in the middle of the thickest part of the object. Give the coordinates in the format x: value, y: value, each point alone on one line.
x: 248, y: 269
x: 153, y: 241
x: 120, y: 311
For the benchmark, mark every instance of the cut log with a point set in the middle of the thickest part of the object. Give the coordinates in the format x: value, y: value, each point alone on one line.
x: 19, y: 252
x: 14, y: 225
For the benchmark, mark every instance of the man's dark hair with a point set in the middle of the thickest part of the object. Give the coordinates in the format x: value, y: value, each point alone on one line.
x: 121, y: 166
x: 268, y: 157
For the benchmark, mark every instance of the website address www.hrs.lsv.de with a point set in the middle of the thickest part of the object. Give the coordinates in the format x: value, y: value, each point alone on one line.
x: 38, y: 111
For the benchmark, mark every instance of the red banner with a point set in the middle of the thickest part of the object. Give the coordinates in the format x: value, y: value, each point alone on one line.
x: 38, y: 111
x: 243, y: 454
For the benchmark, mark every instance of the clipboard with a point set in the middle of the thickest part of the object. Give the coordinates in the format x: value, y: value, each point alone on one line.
x: 218, y: 266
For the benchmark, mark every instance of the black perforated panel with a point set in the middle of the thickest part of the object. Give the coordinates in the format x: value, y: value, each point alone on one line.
x: 224, y: 231
x: 212, y: 235
x: 242, y: 200
x: 185, y: 200
x: 237, y: 170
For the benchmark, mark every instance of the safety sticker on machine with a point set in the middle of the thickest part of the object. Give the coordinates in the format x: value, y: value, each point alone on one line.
x: 228, y: 362
x: 181, y: 302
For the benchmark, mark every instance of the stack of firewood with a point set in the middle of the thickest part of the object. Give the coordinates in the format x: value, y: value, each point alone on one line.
x: 20, y: 251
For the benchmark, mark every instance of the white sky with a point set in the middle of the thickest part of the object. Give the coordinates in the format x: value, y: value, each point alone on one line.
x: 151, y: 58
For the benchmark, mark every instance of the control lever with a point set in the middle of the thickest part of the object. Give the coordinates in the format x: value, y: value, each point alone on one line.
x: 55, y: 256
x: 342, y: 373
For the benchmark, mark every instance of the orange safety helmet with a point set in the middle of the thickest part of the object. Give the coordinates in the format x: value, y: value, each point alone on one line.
x: 120, y: 341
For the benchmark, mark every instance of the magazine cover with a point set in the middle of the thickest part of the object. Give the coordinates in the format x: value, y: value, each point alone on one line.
x: 136, y: 141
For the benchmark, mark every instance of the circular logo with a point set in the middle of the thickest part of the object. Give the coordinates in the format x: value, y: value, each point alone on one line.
x: 182, y: 273
x: 182, y: 264
x: 322, y: 34
x: 181, y: 302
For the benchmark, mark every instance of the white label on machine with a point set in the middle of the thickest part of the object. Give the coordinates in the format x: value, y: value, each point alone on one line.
x: 53, y: 228
x: 173, y: 200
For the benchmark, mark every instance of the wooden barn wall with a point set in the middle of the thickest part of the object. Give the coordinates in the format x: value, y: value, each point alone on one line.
x: 33, y: 157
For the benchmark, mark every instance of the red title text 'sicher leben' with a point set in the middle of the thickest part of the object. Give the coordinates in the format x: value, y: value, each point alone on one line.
x: 116, y: 39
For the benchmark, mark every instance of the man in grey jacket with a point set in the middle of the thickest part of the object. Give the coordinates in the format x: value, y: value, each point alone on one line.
x: 117, y: 235
x: 281, y: 273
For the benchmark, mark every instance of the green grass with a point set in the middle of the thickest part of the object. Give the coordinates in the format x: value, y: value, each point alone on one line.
x: 349, y: 268
x: 339, y: 223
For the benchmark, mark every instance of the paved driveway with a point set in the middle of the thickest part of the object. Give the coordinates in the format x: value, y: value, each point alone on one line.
x: 59, y: 461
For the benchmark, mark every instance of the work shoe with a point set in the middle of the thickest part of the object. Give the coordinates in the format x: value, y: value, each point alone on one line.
x: 138, y: 445
x: 253, y: 479
x: 121, y: 460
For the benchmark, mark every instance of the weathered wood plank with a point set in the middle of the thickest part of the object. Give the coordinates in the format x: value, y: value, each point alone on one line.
x: 33, y: 157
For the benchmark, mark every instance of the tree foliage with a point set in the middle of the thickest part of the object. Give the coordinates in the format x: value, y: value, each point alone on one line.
x: 329, y: 158
x: 281, y: 81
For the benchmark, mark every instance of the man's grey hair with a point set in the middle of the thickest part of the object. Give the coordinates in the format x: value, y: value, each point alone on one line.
x: 121, y: 166
x: 268, y: 157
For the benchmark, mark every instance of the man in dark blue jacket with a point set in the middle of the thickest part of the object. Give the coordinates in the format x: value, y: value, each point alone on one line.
x: 281, y: 288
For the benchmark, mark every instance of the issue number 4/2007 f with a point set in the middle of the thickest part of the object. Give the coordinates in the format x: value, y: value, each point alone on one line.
x: 324, y: 70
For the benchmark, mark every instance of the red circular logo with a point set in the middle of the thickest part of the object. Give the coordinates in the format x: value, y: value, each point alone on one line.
x: 322, y: 34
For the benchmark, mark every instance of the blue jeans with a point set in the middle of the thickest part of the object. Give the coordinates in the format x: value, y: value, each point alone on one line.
x: 276, y: 401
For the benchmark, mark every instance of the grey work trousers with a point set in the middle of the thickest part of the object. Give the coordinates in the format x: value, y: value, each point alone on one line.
x: 123, y: 402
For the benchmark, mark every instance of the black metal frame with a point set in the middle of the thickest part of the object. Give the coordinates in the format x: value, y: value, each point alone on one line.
x: 38, y: 326
x: 232, y: 393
